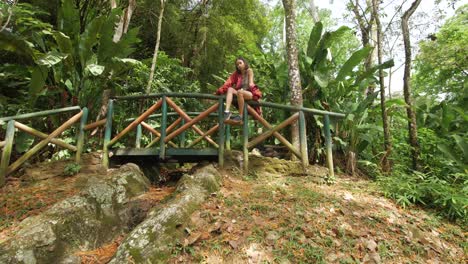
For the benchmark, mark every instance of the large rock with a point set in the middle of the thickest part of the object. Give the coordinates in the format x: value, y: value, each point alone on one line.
x: 82, y: 222
x: 150, y: 242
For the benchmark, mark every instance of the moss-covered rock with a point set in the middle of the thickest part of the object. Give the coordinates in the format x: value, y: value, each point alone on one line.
x: 150, y: 241
x: 85, y: 221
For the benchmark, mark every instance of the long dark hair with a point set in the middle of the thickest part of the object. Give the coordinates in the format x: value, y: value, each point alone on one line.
x: 245, y: 62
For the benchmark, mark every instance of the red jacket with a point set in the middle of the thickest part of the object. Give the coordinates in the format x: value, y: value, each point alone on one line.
x: 235, y: 81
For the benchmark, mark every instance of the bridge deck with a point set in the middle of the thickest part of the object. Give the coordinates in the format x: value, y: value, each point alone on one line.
x: 172, y: 154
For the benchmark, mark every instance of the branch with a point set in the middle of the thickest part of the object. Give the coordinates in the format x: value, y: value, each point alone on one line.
x: 10, y: 13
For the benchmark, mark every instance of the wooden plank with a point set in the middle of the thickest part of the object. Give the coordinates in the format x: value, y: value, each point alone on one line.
x: 81, y: 134
x: 169, y: 152
x: 270, y: 132
x: 44, y: 142
x: 221, y: 132
x: 208, y: 133
x: 245, y: 139
x: 107, y: 133
x: 188, y: 119
x: 6, y: 153
x: 137, y: 121
x: 265, y: 123
x: 328, y: 146
x: 41, y: 135
x: 303, y: 140
x: 95, y: 124
x: 41, y: 113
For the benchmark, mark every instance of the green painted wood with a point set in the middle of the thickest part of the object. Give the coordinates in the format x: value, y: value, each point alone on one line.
x: 169, y: 152
x: 160, y: 95
x: 228, y: 137
x: 138, y: 136
x: 41, y: 113
x: 215, y: 97
x: 245, y: 138
x: 108, y: 134
x: 328, y: 145
x: 182, y: 135
x: 303, y: 140
x: 81, y: 134
x: 221, y: 132
x: 6, y: 153
x: 162, y: 153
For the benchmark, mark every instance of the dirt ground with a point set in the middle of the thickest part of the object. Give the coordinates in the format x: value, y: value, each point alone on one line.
x: 293, y: 219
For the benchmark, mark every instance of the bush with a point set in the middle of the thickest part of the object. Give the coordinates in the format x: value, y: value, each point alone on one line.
x: 72, y: 169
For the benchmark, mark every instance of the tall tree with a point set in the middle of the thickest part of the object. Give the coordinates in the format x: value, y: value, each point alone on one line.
x: 293, y: 64
x: 387, y: 137
x: 124, y: 22
x: 412, y: 126
x: 156, y: 47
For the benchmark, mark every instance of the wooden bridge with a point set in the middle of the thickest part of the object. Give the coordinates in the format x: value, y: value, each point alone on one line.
x: 169, y: 143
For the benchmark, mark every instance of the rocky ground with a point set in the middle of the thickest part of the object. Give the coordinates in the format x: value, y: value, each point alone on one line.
x: 274, y: 214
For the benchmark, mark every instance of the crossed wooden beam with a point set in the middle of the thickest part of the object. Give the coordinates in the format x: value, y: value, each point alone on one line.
x: 190, y: 123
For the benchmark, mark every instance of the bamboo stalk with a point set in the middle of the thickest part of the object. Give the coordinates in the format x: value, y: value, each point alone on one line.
x: 41, y: 113
x: 208, y: 133
x: 135, y: 123
x: 270, y: 132
x: 188, y: 119
x: 276, y: 134
x: 41, y: 135
x: 192, y: 122
x: 95, y: 124
x: 44, y: 142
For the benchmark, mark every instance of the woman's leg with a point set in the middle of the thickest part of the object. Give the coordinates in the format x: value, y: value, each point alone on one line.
x: 229, y: 94
x: 241, y: 97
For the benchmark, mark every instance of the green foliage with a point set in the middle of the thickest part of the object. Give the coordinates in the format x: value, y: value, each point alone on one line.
x: 431, y: 191
x: 72, y: 169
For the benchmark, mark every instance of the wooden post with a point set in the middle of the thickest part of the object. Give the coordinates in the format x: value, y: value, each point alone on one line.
x: 228, y: 137
x: 303, y: 140
x: 182, y: 135
x: 81, y: 134
x: 107, y: 134
x: 162, y: 150
x: 44, y: 142
x: 328, y: 145
x: 138, y: 137
x: 245, y: 139
x: 221, y: 132
x: 6, y: 153
x: 41, y: 135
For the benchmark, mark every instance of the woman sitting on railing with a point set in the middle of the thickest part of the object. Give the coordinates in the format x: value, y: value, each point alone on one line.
x: 241, y: 84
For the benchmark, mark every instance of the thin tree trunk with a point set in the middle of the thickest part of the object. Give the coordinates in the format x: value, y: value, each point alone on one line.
x: 386, y: 167
x: 156, y: 48
x: 412, y: 127
x: 122, y: 27
x: 293, y: 64
x: 313, y: 11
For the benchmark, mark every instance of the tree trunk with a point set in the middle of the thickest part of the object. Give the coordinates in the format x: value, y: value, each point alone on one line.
x: 122, y: 27
x: 412, y: 127
x: 293, y: 64
x: 156, y: 47
x: 314, y: 11
x: 386, y: 167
